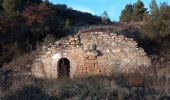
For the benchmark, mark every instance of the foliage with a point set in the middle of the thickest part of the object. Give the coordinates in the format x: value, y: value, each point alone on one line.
x: 139, y: 11
x: 154, y: 8
x: 158, y: 23
x: 35, y: 22
x: 36, y: 17
x: 165, y: 19
x: 33, y: 1
x: 11, y: 8
x: 127, y: 13
x: 1, y: 2
x: 135, y: 12
x: 105, y: 17
x: 36, y: 13
x: 77, y: 18
x: 24, y: 3
x: 156, y: 26
x: 67, y: 24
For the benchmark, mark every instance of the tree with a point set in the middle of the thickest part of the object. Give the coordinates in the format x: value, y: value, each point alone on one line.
x: 46, y: 1
x: 165, y: 19
x: 32, y: 1
x: 157, y: 25
x: 105, y: 17
x: 67, y: 24
x: 26, y: 2
x: 154, y: 8
x: 139, y: 11
x: 127, y: 13
x: 11, y: 8
x: 1, y: 2
x: 35, y: 1
x: 36, y: 13
x: 36, y: 16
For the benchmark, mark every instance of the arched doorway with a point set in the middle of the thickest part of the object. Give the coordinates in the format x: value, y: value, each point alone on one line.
x: 63, y: 68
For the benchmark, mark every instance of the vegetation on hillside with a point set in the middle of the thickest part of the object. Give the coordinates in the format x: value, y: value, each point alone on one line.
x: 156, y: 26
x: 24, y: 24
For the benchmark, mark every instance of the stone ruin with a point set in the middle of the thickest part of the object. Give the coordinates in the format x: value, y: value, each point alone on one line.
x: 92, y: 53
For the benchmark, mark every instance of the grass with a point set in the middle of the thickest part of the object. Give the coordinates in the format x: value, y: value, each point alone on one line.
x: 115, y: 87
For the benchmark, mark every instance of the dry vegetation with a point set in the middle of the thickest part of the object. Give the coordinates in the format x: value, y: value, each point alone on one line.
x: 116, y: 87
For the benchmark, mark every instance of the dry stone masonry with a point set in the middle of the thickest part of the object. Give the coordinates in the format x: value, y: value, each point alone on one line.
x: 95, y: 53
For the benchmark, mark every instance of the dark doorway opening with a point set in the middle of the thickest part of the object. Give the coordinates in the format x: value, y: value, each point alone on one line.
x: 63, y: 68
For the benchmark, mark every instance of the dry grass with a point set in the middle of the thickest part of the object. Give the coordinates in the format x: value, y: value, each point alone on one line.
x: 115, y: 87
x: 21, y: 63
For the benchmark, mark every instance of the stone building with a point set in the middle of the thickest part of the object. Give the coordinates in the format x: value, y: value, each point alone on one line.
x: 94, y: 53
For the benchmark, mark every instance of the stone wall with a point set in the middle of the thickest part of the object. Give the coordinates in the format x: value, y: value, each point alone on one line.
x: 94, y: 53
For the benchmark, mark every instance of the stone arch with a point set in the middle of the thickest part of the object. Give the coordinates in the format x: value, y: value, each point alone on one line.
x: 63, y: 68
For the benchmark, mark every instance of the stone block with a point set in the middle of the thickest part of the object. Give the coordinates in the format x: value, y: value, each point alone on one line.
x: 90, y: 65
x: 107, y: 42
x: 92, y: 53
x: 116, y: 50
x: 113, y: 38
x: 66, y: 43
x: 121, y: 37
x: 91, y: 57
x: 73, y: 42
x: 49, y: 49
x: 107, y: 50
x: 93, y: 71
x: 48, y: 53
x: 71, y: 39
x: 43, y: 56
x: 131, y: 39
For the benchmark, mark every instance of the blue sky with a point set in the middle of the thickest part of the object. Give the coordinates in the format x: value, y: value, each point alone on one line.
x: 97, y: 7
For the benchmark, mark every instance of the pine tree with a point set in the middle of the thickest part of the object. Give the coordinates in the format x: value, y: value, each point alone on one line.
x: 165, y: 19
x: 105, y: 17
x: 46, y: 1
x: 11, y: 8
x: 32, y: 1
x: 26, y: 2
x: 158, y: 25
x: 1, y: 2
x: 127, y: 13
x: 154, y: 8
x: 36, y: 1
x: 139, y: 11
x: 67, y: 24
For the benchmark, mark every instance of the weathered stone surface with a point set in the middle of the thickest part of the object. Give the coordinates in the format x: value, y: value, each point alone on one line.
x: 95, y: 53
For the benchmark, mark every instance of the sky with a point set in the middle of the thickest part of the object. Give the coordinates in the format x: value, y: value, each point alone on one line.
x: 97, y: 7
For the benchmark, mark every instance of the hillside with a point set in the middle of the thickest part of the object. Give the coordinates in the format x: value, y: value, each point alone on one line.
x: 22, y: 34
x: 39, y: 33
